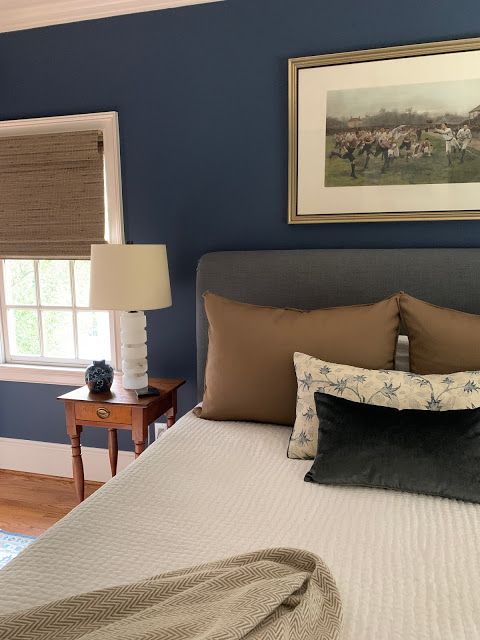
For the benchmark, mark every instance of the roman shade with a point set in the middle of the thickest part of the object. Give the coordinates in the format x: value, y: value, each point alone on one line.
x: 51, y: 195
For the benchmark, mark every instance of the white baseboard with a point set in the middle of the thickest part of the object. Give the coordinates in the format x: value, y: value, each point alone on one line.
x: 56, y: 459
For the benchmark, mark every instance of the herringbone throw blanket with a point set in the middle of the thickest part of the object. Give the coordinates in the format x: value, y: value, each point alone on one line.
x: 276, y: 594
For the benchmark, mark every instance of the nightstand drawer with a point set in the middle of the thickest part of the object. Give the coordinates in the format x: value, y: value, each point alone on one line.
x: 107, y: 413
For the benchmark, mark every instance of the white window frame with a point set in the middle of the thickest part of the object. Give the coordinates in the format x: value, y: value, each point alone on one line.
x: 107, y: 123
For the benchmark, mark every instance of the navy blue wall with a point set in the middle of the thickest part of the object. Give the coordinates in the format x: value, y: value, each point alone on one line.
x: 201, y: 94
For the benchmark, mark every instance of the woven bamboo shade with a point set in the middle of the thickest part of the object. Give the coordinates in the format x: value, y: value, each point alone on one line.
x: 51, y: 195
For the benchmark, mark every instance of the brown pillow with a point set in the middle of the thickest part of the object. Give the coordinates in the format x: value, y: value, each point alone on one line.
x: 250, y: 373
x: 441, y: 340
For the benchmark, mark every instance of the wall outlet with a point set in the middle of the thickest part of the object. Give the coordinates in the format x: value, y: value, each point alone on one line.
x: 160, y: 429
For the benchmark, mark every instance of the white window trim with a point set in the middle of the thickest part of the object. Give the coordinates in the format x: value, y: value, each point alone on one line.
x: 107, y: 122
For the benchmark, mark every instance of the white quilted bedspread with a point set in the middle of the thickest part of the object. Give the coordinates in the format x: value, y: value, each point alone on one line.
x: 408, y: 567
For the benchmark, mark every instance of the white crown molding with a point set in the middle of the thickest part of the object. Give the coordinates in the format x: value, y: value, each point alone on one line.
x: 16, y: 15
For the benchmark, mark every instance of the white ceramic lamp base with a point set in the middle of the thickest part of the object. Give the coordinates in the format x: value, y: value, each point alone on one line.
x: 133, y: 336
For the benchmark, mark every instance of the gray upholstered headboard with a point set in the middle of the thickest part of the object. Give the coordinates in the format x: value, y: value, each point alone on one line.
x: 312, y: 279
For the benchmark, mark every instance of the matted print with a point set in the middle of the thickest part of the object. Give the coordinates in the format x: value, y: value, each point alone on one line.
x: 388, y: 134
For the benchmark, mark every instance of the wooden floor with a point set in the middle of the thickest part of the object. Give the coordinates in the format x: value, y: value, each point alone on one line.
x: 30, y: 503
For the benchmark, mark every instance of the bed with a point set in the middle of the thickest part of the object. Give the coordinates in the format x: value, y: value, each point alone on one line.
x: 407, y: 566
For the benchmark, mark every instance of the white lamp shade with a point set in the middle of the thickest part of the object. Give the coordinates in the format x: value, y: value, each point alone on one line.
x: 129, y: 277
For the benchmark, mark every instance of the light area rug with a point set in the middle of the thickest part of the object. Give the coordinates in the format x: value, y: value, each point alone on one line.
x: 11, y: 544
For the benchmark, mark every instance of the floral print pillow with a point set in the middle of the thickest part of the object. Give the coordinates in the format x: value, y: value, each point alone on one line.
x: 396, y: 389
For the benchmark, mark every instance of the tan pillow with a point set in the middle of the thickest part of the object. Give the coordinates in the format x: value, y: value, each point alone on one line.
x: 250, y: 374
x: 441, y: 340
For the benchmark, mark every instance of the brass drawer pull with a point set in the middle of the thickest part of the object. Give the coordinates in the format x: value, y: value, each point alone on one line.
x: 103, y: 413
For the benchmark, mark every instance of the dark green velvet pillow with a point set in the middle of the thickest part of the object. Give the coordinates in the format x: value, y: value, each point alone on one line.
x: 431, y: 452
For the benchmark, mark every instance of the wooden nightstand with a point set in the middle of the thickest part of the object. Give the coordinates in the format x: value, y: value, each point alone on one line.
x: 118, y: 409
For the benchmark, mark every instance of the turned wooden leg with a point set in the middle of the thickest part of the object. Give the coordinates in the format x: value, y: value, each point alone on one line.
x: 139, y: 448
x: 74, y: 432
x: 172, y: 412
x: 77, y: 466
x: 139, y: 430
x: 113, y: 450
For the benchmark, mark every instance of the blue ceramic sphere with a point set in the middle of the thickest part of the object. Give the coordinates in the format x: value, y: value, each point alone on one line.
x: 99, y: 377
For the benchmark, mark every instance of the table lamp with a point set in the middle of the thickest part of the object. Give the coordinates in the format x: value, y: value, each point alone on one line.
x: 131, y: 278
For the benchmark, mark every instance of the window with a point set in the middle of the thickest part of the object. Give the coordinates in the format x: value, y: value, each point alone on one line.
x: 46, y: 316
x: 48, y: 333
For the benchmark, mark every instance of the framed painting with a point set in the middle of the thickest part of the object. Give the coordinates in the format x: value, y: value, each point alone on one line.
x: 386, y: 134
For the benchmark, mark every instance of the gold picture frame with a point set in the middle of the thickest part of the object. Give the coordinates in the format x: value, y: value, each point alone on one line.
x: 318, y: 202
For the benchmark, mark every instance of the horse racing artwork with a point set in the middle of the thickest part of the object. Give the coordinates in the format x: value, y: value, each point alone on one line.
x: 386, y: 134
